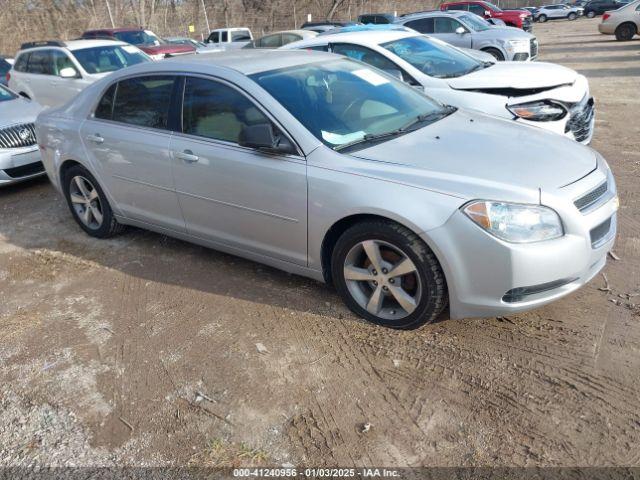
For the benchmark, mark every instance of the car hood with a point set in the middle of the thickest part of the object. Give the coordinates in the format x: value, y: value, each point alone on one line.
x: 164, y: 49
x: 18, y: 111
x: 471, y: 154
x: 503, y: 32
x: 519, y: 75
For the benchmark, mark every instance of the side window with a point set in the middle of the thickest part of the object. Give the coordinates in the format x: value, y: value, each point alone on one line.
x: 365, y: 55
x: 223, y: 37
x: 290, y: 38
x: 477, y: 9
x: 463, y: 7
x: 104, y: 110
x: 271, y: 41
x: 638, y: 8
x: 61, y: 61
x: 422, y: 25
x: 144, y: 101
x: 40, y: 62
x: 446, y: 25
x: 214, y: 37
x: 214, y: 110
x: 21, y: 62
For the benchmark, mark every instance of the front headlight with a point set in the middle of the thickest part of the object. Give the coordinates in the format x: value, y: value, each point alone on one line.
x: 513, y: 222
x: 543, y: 111
x: 518, y: 45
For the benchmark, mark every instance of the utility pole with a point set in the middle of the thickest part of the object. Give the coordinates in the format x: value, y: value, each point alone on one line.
x: 113, y: 25
x: 206, y: 18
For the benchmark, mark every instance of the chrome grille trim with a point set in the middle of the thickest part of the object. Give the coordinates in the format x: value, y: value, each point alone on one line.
x: 591, y: 198
x: 18, y: 136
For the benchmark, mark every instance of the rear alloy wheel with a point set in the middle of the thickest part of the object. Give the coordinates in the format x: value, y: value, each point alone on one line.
x: 88, y: 203
x: 572, y: 16
x: 387, y: 275
x: 542, y: 18
x: 625, y: 32
x: 497, y: 54
x: 591, y: 14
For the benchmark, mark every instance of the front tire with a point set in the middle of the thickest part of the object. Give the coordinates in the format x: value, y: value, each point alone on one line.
x: 88, y: 203
x: 386, y: 274
x: 497, y: 54
x: 625, y: 32
x: 572, y: 16
x: 542, y: 18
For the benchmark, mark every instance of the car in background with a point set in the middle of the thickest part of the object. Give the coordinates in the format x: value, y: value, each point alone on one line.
x: 532, y: 11
x: 624, y: 22
x: 545, y: 95
x: 557, y: 11
x: 513, y: 18
x: 320, y: 27
x: 377, y: 18
x: 278, y: 39
x: 200, y: 47
x: 145, y: 40
x: 229, y: 38
x: 19, y: 155
x: 328, y: 168
x: 598, y: 7
x: 5, y: 66
x: 53, y: 72
x: 466, y: 30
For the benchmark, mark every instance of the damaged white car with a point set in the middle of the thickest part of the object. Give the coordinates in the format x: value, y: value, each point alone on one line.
x: 542, y: 94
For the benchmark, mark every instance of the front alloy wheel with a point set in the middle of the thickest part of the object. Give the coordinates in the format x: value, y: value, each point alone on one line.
x: 386, y: 274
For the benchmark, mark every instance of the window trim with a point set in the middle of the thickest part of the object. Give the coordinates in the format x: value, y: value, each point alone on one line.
x: 180, y: 103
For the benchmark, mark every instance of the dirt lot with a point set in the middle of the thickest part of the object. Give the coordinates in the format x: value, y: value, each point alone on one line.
x: 147, y: 350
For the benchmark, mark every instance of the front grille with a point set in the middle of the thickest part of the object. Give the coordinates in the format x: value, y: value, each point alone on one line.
x: 580, y: 119
x: 534, y: 48
x: 25, y: 170
x: 18, y: 136
x: 601, y: 234
x: 591, y: 198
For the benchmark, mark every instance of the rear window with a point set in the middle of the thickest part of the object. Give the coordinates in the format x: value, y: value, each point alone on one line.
x: 144, y: 101
x: 4, y: 66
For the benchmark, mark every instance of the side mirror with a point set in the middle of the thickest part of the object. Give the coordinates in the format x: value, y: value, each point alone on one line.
x: 460, y: 31
x: 68, y: 72
x: 487, y: 13
x: 394, y: 72
x: 261, y: 137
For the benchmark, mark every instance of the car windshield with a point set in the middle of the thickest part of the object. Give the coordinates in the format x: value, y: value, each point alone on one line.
x: 109, y: 58
x: 6, y: 95
x: 493, y: 7
x: 139, y: 37
x: 4, y: 66
x: 475, y: 23
x: 433, y: 57
x: 347, y: 104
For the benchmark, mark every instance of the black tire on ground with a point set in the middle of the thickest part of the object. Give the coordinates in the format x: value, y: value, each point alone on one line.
x: 434, y: 297
x: 497, y: 54
x: 572, y: 16
x: 542, y: 18
x: 109, y: 226
x: 625, y: 32
x: 590, y: 14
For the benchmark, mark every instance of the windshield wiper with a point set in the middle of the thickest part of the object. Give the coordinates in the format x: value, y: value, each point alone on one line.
x: 406, y: 128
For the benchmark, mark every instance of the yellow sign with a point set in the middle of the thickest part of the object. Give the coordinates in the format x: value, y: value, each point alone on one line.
x: 192, y: 28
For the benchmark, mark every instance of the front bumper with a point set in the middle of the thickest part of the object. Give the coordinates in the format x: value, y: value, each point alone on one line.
x: 19, y: 164
x: 488, y: 277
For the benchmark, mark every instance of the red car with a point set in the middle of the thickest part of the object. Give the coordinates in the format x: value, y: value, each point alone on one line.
x: 145, y: 40
x: 514, y: 18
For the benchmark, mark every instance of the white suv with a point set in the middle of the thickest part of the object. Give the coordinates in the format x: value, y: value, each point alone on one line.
x: 53, y: 72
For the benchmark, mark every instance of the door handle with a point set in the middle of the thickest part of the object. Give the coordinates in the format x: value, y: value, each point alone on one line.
x: 187, y: 156
x: 95, y: 138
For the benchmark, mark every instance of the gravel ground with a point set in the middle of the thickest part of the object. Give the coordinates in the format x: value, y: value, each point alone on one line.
x: 144, y: 350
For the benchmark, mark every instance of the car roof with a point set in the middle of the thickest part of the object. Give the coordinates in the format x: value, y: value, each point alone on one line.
x: 433, y: 13
x: 249, y: 62
x: 372, y: 37
x: 232, y: 29
x: 79, y: 44
x: 116, y: 30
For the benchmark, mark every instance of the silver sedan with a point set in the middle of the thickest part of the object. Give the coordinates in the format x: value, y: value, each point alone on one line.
x: 328, y: 168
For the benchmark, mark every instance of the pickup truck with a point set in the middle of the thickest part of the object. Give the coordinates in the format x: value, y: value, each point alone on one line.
x: 513, y: 18
x: 229, y: 38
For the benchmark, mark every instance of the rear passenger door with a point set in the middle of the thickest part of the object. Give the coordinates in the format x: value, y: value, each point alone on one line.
x: 233, y: 195
x: 39, y: 77
x: 127, y: 140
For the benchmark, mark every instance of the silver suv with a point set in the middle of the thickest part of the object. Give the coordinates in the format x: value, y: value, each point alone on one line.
x: 468, y: 30
x: 323, y: 166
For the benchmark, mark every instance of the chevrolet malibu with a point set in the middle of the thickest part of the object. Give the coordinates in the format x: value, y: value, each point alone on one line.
x: 325, y: 167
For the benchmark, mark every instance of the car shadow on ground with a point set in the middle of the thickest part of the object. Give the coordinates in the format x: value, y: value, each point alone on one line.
x: 595, y: 47
x: 33, y: 216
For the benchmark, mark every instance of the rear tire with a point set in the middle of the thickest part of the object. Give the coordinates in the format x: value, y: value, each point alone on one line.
x: 362, y: 266
x: 542, y: 18
x: 590, y: 14
x: 88, y: 203
x: 625, y: 32
x: 497, y: 54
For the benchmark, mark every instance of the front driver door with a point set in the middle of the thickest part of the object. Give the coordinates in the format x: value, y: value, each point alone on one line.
x: 238, y: 196
x: 445, y: 30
